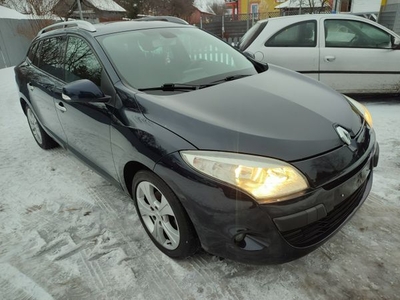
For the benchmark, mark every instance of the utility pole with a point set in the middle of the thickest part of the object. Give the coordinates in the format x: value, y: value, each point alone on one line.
x: 335, y: 7
x: 80, y: 9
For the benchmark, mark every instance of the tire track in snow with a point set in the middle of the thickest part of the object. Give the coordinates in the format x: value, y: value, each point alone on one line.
x: 92, y: 275
x: 102, y: 204
x: 207, y: 279
x: 211, y: 279
x: 20, y: 282
x: 175, y: 288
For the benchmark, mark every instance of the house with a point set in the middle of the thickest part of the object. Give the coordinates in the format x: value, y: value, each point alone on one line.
x: 295, y: 7
x: 201, y: 11
x: 356, y: 6
x: 390, y: 15
x: 232, y: 7
x: 92, y: 10
x: 260, y: 9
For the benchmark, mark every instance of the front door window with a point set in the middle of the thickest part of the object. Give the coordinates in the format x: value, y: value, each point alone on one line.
x: 355, y: 34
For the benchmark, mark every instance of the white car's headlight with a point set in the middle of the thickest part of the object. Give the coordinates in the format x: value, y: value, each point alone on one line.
x: 267, y: 180
x: 361, y: 109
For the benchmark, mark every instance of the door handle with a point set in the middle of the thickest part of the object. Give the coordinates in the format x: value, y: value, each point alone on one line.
x: 30, y: 86
x: 60, y: 106
x: 329, y: 58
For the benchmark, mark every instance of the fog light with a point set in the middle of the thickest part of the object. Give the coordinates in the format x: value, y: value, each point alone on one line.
x: 239, y: 240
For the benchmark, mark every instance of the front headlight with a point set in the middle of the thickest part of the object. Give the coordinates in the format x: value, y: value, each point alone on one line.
x: 361, y: 109
x: 267, y: 180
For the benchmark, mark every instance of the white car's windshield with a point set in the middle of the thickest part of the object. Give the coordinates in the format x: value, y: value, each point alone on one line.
x: 154, y: 57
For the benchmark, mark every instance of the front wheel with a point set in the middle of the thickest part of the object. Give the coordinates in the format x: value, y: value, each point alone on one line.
x: 163, y: 216
x: 41, y: 137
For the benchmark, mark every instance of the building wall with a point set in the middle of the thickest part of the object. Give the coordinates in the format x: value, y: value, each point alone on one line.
x: 195, y: 17
x: 356, y: 6
x: 263, y: 6
x: 360, y: 6
x: 390, y: 16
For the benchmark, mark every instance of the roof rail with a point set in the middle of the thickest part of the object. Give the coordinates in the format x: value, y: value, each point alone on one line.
x: 163, y: 18
x: 80, y: 24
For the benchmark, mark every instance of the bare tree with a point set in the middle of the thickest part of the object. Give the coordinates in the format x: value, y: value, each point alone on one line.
x: 219, y: 8
x: 311, y: 6
x: 178, y: 8
x: 132, y: 7
x: 32, y: 7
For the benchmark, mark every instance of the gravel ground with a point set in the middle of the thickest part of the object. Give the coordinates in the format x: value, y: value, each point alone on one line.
x: 66, y: 233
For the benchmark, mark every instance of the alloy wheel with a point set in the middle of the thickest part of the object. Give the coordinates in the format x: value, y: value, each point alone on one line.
x: 34, y: 125
x: 157, y: 215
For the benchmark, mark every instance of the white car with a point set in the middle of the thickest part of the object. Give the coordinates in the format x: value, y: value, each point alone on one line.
x: 351, y: 54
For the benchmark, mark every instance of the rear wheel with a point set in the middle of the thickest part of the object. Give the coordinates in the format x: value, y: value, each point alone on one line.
x: 163, y: 216
x: 41, y: 137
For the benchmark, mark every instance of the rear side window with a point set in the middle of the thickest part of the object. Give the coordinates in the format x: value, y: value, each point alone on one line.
x: 251, y: 35
x: 51, y: 56
x: 36, y: 57
x: 302, y: 34
x: 80, y: 62
x: 32, y: 51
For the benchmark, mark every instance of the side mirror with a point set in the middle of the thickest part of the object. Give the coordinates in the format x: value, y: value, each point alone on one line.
x: 395, y: 43
x: 259, y: 66
x: 83, y: 90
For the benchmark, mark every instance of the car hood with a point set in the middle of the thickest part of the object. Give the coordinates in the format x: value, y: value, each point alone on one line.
x: 278, y: 113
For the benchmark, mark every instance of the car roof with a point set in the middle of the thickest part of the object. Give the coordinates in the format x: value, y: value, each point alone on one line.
x: 342, y: 16
x: 163, y: 18
x: 106, y: 28
x: 314, y: 17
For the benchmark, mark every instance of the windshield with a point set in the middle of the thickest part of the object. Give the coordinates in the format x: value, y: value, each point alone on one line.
x: 154, y: 57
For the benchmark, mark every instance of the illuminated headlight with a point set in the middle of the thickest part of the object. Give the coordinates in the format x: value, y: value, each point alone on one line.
x: 267, y: 180
x: 361, y: 109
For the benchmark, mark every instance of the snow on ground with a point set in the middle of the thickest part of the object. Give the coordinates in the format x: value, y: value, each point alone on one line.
x: 6, y: 13
x: 66, y: 233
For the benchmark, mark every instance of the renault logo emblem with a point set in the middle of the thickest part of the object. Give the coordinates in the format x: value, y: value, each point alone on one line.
x: 344, y: 135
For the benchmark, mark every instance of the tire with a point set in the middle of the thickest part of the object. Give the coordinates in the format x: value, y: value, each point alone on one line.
x: 40, y: 136
x: 163, y: 217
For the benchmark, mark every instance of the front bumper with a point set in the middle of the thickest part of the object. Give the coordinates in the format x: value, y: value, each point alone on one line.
x: 231, y: 224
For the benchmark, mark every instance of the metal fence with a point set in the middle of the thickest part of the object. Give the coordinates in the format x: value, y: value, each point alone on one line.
x: 232, y: 27
x: 15, y: 38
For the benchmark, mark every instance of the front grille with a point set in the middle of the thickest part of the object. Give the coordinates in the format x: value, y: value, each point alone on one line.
x: 313, y: 233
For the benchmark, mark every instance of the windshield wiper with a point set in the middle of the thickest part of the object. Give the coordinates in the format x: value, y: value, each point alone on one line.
x: 230, y: 78
x: 170, y: 87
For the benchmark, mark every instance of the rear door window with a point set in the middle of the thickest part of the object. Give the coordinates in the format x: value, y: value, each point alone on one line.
x: 36, y: 54
x: 303, y: 34
x: 32, y: 51
x: 51, y: 56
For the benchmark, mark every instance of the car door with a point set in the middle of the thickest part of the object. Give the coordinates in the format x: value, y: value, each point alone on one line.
x: 45, y: 70
x: 357, y: 57
x: 87, y: 125
x: 294, y: 47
